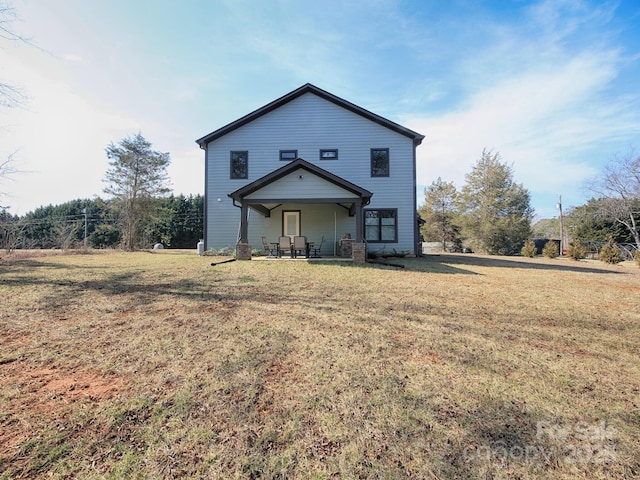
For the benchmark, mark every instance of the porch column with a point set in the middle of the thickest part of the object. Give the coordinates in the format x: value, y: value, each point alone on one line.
x: 359, y: 221
x: 244, y: 227
x: 243, y: 249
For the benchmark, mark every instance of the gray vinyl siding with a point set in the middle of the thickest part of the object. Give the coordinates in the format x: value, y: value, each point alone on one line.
x: 308, y: 124
x: 308, y: 187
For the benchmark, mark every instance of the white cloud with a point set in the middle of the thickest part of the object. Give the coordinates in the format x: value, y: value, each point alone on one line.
x: 547, y: 109
x: 74, y: 58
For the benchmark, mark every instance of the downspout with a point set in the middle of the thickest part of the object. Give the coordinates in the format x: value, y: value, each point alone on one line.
x: 361, y: 202
x: 206, y: 195
x: 416, y: 229
x: 364, y: 235
x: 238, y: 238
x: 335, y: 231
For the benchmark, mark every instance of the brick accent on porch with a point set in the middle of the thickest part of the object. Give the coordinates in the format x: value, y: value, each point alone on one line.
x: 243, y: 251
x: 359, y: 252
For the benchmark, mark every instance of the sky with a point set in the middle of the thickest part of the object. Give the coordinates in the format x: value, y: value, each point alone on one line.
x: 551, y: 85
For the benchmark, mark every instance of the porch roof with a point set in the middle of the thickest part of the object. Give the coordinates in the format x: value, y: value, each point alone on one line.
x: 337, y: 190
x: 250, y: 193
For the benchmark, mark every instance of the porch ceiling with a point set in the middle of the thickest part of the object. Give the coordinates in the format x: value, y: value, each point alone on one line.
x: 264, y: 208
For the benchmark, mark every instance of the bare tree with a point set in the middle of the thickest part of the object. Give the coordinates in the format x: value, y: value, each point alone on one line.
x: 65, y: 233
x: 618, y: 190
x: 11, y: 230
x: 7, y: 166
x: 10, y: 95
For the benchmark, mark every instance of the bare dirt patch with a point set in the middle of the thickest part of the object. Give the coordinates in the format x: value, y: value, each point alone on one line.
x: 44, y: 393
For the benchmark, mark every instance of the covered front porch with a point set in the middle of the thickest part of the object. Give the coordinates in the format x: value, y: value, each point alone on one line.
x: 301, y: 199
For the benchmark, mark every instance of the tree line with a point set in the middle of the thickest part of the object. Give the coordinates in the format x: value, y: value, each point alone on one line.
x: 176, y: 222
x: 139, y: 213
x: 491, y: 213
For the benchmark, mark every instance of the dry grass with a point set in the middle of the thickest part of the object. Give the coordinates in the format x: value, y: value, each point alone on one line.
x: 158, y: 365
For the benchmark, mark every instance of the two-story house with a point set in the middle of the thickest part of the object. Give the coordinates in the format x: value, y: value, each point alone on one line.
x: 312, y: 164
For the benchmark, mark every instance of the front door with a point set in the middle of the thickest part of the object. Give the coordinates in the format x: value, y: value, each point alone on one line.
x: 291, y: 223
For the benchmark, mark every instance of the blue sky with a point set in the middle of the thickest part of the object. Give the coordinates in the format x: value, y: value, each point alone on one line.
x: 551, y: 85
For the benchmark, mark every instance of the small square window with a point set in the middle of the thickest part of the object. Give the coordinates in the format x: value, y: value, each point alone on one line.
x: 239, y: 164
x: 379, y: 162
x: 288, y: 155
x: 329, y: 154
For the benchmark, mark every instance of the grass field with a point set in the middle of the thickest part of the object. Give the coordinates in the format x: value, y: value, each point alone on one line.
x: 159, y: 365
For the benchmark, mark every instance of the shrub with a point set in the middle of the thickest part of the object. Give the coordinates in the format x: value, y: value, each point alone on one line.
x: 576, y: 250
x: 221, y: 252
x: 551, y: 249
x: 529, y: 249
x: 105, y: 236
x: 609, y: 253
x: 396, y: 253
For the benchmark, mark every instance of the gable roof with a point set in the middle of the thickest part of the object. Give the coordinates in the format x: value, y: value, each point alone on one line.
x: 304, y: 165
x: 308, y: 88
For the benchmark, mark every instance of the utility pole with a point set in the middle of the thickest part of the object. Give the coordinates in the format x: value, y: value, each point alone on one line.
x: 84, y: 210
x: 561, y: 226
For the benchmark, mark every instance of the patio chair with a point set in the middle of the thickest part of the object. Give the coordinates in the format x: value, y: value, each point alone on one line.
x: 317, y: 250
x: 300, y: 245
x: 284, y: 245
x: 269, y: 249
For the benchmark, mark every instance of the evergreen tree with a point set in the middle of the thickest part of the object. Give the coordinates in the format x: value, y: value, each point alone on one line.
x: 439, y: 213
x: 551, y: 249
x: 136, y: 175
x: 178, y: 221
x: 10, y: 230
x: 187, y: 221
x: 529, y: 249
x: 495, y: 210
x: 609, y: 252
x: 51, y: 226
x: 576, y: 250
x: 592, y: 223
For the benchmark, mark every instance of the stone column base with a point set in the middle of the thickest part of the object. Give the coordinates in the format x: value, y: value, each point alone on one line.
x: 243, y: 251
x: 359, y: 252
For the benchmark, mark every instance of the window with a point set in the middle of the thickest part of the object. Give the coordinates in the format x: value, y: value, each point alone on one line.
x: 288, y: 155
x: 379, y: 162
x: 239, y: 164
x: 329, y: 154
x: 381, y: 225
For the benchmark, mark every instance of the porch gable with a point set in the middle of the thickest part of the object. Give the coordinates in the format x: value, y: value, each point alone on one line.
x: 300, y: 182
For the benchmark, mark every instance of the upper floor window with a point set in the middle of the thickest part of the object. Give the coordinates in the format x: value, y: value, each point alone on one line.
x: 329, y: 154
x: 381, y: 225
x: 288, y: 155
x: 239, y: 164
x: 379, y: 162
